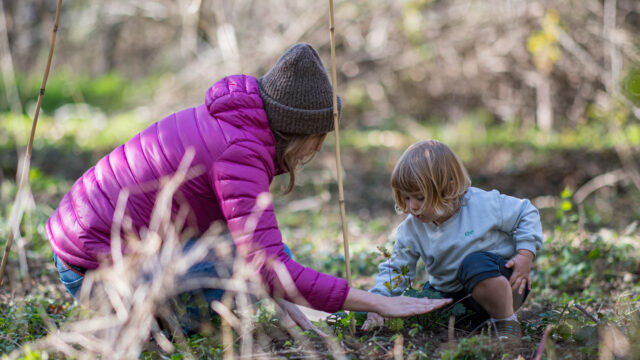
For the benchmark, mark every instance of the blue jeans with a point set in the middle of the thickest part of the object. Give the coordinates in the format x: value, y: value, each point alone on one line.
x: 71, y: 277
x: 191, y: 306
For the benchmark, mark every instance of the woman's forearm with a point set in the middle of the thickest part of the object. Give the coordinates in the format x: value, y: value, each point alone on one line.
x: 359, y: 300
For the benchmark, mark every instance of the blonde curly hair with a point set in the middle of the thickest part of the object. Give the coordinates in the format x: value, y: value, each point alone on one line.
x: 431, y: 168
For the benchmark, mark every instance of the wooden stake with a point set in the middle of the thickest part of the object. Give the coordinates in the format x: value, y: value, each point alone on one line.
x: 334, y: 82
x: 451, y: 332
x: 23, y: 176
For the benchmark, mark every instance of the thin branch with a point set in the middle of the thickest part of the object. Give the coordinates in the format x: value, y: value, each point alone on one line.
x: 451, y: 331
x: 600, y: 181
x: 334, y: 84
x: 589, y: 315
x: 542, y: 344
x: 23, y: 178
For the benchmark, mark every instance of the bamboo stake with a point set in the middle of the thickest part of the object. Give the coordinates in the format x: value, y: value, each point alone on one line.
x: 23, y: 176
x: 6, y: 66
x: 334, y: 82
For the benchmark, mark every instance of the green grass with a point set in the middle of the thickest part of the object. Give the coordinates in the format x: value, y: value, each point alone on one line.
x: 110, y: 92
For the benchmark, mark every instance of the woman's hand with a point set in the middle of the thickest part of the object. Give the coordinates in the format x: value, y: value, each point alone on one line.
x: 292, y: 315
x: 373, y: 321
x: 521, y: 264
x: 404, y: 306
x: 388, y: 307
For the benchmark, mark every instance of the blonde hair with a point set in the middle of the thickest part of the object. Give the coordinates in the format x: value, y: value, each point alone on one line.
x: 431, y: 168
x: 288, y: 147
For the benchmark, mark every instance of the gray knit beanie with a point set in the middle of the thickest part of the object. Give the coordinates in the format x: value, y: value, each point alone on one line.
x: 297, y: 93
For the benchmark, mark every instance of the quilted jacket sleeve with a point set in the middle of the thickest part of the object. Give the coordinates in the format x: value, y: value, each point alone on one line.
x: 240, y: 177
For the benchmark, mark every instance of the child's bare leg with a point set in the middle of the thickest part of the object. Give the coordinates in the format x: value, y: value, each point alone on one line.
x: 495, y: 296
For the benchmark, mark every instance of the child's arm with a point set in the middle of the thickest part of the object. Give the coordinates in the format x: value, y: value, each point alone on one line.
x: 373, y: 321
x: 405, y: 255
x: 521, y: 219
x: 390, y: 280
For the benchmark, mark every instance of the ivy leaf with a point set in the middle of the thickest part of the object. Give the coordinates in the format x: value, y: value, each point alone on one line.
x: 361, y: 317
x: 415, y: 329
x: 383, y: 250
x: 404, y: 269
x: 412, y: 293
x: 397, y: 281
x: 566, y: 193
x: 345, y: 320
x: 458, y: 309
x: 396, y: 324
x: 430, y: 294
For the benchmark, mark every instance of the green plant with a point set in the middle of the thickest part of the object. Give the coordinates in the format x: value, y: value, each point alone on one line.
x: 631, y: 85
x: 574, y: 264
x: 473, y: 348
x: 433, y: 319
x: 22, y: 321
x: 111, y: 91
x: 400, y: 275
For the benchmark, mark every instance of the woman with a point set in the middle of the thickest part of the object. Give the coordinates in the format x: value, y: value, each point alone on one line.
x: 246, y: 132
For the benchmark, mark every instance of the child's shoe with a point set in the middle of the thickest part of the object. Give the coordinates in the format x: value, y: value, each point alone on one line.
x: 506, y: 330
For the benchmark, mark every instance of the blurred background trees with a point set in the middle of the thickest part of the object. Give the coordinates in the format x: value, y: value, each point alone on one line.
x: 543, y: 63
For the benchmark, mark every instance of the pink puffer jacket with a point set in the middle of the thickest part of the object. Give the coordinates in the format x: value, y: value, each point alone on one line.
x: 235, y: 154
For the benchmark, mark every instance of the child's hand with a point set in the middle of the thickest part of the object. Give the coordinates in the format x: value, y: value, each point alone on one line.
x: 291, y: 315
x: 373, y: 321
x: 521, y: 264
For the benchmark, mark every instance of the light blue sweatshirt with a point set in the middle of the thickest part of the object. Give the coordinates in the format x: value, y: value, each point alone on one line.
x: 486, y: 221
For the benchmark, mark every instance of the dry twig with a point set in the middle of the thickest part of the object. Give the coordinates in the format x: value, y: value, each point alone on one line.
x: 24, y: 172
x: 589, y: 315
x: 334, y: 81
x: 542, y: 344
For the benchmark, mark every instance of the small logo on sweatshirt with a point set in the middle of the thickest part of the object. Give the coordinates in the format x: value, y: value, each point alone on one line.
x: 468, y: 233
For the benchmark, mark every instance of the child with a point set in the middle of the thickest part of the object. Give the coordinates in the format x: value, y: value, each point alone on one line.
x: 472, y: 241
x: 246, y: 132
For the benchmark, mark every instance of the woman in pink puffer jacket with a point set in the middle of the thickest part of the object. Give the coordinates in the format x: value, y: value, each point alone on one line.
x: 246, y: 132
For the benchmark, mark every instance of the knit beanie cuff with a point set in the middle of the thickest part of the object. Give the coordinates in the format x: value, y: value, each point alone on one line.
x: 292, y: 120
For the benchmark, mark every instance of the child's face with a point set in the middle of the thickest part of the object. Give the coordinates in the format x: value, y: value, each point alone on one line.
x: 415, y: 201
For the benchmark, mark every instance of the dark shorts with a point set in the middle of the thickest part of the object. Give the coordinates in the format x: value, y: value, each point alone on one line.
x: 476, y: 267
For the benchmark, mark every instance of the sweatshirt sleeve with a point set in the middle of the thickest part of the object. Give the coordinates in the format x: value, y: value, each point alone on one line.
x: 522, y: 220
x: 241, y: 183
x: 403, y: 255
